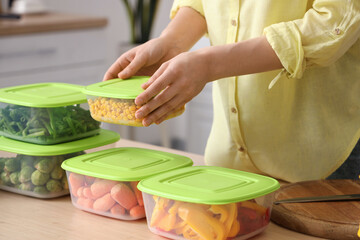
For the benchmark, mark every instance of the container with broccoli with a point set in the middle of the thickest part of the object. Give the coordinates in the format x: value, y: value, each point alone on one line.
x: 35, y: 170
x: 36, y: 178
x: 45, y: 113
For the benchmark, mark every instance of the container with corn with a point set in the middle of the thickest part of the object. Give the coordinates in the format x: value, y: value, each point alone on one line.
x: 113, y: 101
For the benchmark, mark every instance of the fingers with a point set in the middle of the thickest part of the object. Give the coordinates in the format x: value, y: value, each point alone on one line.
x: 160, y: 106
x: 135, y: 65
x: 155, y: 76
x: 153, y: 86
x: 126, y: 65
x: 121, y: 63
x: 160, y: 114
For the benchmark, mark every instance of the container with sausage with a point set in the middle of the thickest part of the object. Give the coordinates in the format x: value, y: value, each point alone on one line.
x: 105, y: 182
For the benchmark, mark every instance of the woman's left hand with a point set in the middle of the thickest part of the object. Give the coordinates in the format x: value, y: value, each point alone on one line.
x: 174, y: 84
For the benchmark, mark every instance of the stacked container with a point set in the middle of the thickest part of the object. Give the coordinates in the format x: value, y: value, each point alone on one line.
x: 40, y: 126
x: 204, y: 202
x: 105, y: 182
x: 113, y: 101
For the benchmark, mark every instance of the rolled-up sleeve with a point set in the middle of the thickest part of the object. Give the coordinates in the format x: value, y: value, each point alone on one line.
x: 194, y: 4
x: 322, y: 36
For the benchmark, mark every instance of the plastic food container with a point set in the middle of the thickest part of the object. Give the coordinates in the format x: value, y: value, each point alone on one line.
x: 113, y: 101
x: 45, y: 113
x: 208, y: 203
x: 35, y: 170
x: 104, y: 182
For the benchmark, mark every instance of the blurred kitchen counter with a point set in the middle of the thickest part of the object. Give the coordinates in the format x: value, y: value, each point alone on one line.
x: 26, y: 218
x: 53, y: 47
x: 47, y: 22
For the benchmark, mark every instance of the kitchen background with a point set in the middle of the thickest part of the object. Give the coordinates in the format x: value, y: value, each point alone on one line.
x: 82, y: 56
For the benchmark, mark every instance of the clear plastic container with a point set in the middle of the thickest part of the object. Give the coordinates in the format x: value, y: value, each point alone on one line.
x: 209, y: 203
x: 105, y: 182
x: 46, y: 113
x: 115, y: 199
x: 35, y: 170
x: 35, y: 176
x: 113, y: 101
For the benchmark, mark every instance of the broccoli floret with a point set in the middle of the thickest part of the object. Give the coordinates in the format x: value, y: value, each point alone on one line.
x: 25, y: 174
x: 45, y: 165
x: 57, y: 173
x: 38, y: 178
x: 64, y: 182
x: 26, y: 160
x: 2, y: 164
x: 14, y: 178
x: 12, y: 165
x: 5, y: 178
x: 40, y: 190
x: 26, y: 186
x: 54, y: 186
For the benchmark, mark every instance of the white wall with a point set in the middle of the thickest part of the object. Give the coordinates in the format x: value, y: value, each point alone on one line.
x: 118, y: 27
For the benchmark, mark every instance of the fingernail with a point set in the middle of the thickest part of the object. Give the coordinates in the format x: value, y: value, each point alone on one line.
x: 138, y: 102
x: 123, y: 75
x: 147, y: 122
x: 138, y: 114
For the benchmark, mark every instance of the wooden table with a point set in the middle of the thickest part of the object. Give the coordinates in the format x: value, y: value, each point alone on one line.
x: 23, y: 218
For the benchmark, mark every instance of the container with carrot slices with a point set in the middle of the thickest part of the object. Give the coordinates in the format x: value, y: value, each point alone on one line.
x: 113, y: 101
x: 105, y: 182
x: 208, y: 203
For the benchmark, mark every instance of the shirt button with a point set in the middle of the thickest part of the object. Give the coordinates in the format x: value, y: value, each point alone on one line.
x: 241, y: 149
x: 337, y: 31
x: 233, y: 22
x: 233, y: 110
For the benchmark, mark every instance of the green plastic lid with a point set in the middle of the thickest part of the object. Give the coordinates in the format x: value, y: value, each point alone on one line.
x: 103, y: 138
x: 43, y: 95
x: 117, y: 88
x: 125, y: 163
x: 208, y: 185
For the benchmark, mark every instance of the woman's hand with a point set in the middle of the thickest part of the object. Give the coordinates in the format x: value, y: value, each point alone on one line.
x: 142, y: 60
x: 187, y: 27
x: 176, y: 78
x: 174, y: 84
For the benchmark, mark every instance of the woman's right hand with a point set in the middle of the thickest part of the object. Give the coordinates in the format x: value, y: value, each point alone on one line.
x: 187, y: 27
x: 142, y: 60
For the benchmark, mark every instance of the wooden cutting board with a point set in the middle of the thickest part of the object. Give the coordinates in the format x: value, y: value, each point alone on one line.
x: 330, y: 220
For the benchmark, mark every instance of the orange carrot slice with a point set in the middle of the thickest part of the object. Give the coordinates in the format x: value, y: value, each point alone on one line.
x: 79, y: 192
x: 101, y: 186
x: 137, y: 192
x: 89, y: 180
x: 123, y: 195
x: 104, y: 204
x: 75, y: 181
x: 85, y: 202
x: 87, y: 193
x: 117, y: 210
x: 137, y: 212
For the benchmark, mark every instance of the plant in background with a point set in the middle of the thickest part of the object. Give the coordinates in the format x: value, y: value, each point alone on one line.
x: 141, y: 14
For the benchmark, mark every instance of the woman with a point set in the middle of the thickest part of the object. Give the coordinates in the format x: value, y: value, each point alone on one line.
x: 286, y: 81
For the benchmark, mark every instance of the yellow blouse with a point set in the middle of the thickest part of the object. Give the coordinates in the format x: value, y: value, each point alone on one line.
x: 295, y: 124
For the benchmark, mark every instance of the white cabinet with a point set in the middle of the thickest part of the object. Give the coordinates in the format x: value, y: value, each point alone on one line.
x: 68, y: 55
